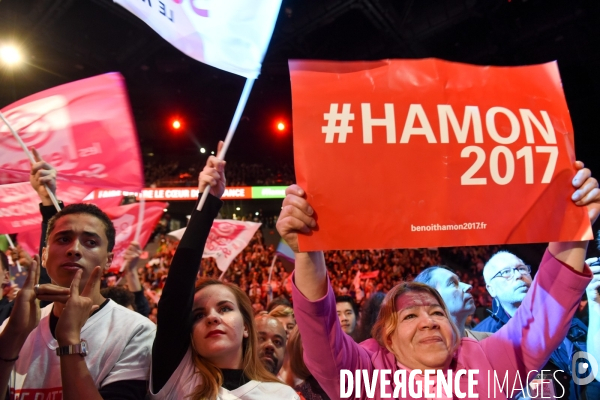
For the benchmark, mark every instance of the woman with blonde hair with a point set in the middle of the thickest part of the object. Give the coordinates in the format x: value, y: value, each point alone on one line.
x: 414, y: 334
x: 206, y: 344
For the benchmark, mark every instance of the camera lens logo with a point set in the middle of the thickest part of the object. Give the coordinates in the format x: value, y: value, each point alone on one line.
x: 584, y: 367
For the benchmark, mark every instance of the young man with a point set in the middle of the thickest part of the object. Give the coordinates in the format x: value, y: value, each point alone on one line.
x: 83, y: 346
x: 347, y: 313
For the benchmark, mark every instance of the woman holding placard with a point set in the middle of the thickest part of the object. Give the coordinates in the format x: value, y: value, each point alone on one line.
x: 414, y: 334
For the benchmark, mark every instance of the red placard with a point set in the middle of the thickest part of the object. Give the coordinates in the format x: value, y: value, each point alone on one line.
x: 422, y: 153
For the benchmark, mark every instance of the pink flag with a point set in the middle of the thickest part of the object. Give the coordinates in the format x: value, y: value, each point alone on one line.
x: 369, y: 275
x: 227, y: 239
x: 84, y: 129
x: 30, y: 239
x: 19, y: 204
x: 125, y: 219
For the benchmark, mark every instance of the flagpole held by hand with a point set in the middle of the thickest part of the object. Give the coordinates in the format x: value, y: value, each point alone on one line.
x: 234, y: 123
x: 140, y: 220
x: 28, y: 153
x: 12, y: 246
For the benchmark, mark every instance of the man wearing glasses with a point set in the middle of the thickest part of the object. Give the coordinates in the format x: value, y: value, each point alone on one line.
x: 507, y: 280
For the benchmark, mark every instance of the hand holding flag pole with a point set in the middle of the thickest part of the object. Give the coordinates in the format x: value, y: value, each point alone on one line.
x: 12, y: 246
x: 31, y: 159
x: 234, y: 123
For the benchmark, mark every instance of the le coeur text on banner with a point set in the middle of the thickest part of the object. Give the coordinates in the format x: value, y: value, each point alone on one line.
x: 465, y: 155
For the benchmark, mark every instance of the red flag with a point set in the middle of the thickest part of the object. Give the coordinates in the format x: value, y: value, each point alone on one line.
x: 30, y: 239
x: 125, y: 219
x: 84, y: 129
x: 19, y: 204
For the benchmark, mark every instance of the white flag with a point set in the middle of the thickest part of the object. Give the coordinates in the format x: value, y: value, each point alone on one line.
x: 232, y: 35
x: 227, y: 239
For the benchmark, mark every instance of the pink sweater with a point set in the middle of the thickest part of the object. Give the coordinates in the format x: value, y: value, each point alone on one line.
x: 523, y: 344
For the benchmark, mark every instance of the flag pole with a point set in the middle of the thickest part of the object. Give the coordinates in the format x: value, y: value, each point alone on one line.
x: 234, y: 123
x: 12, y: 245
x: 138, y: 229
x: 222, y: 274
x: 272, y: 265
x: 28, y: 153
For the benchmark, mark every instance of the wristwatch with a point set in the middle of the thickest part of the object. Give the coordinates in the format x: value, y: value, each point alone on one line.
x: 81, y: 349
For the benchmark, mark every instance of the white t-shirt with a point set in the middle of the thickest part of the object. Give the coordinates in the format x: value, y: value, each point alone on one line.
x: 119, y: 345
x: 184, y: 380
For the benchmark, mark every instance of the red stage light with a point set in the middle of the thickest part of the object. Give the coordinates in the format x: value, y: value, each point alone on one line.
x: 176, y: 124
x: 281, y: 126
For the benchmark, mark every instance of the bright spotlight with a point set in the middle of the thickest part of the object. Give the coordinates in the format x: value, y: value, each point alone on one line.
x: 237, y: 208
x: 176, y: 124
x: 280, y: 126
x: 202, y: 150
x: 10, y: 55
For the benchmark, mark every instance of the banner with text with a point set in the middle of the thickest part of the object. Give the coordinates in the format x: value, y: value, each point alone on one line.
x: 422, y: 153
x: 187, y: 193
x: 84, y: 129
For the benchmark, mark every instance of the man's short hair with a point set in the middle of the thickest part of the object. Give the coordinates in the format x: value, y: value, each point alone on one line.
x: 90, y: 209
x: 426, y: 276
x: 347, y: 299
x: 491, y: 262
x: 278, y: 301
x: 119, y: 295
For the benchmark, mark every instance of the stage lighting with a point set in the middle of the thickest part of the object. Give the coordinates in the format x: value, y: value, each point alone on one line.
x: 10, y: 55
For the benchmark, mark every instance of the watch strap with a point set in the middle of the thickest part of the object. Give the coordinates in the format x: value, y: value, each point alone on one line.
x: 80, y: 349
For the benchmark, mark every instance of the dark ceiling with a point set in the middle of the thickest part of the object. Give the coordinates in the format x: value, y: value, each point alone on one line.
x: 66, y: 40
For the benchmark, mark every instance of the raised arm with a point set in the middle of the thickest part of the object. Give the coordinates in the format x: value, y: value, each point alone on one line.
x: 24, y: 318
x: 297, y: 217
x: 175, y: 307
x: 327, y: 349
x: 43, y: 175
x: 542, y: 320
x: 131, y: 258
x: 586, y: 194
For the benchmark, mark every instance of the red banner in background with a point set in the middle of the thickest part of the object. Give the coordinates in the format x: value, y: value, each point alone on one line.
x: 30, y: 239
x: 421, y: 153
x: 125, y: 219
x: 84, y: 129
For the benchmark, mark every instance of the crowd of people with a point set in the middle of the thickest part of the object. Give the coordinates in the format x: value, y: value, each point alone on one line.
x: 181, y: 173
x: 169, y: 328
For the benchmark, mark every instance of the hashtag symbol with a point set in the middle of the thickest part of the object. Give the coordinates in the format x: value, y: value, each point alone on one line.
x: 332, y: 117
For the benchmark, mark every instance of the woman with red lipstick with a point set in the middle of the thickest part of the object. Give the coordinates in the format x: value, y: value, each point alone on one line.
x: 206, y: 343
x: 414, y: 330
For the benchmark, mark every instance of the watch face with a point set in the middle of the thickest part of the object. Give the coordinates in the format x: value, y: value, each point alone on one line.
x: 84, y: 348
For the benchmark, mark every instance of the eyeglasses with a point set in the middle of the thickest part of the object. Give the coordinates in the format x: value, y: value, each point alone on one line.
x: 508, y: 273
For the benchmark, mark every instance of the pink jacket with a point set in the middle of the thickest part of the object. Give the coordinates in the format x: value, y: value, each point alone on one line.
x: 523, y: 344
